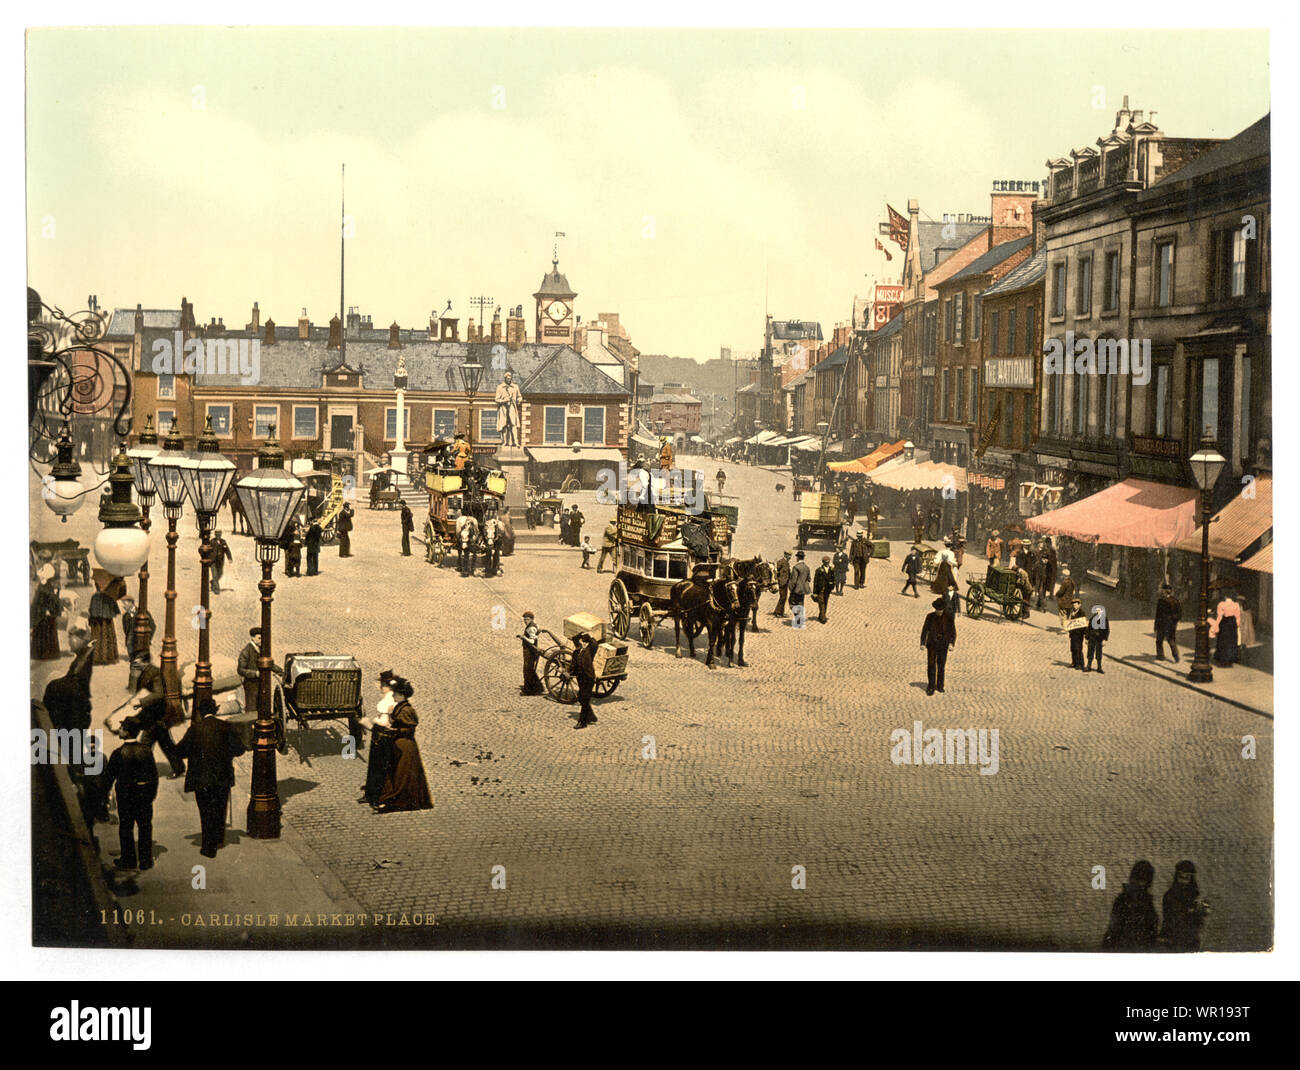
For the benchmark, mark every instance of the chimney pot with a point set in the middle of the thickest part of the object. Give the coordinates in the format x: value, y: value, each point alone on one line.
x: 394, y: 336
x: 335, y: 334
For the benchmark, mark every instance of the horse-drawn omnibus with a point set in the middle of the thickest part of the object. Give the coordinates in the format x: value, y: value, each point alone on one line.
x: 466, y: 515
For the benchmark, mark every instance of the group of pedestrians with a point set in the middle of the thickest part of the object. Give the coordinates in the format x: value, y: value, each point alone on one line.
x: 395, y: 777
x: 1134, y: 924
x: 582, y: 665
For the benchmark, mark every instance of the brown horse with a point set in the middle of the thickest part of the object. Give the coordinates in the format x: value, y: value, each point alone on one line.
x: 238, y: 518
x: 701, y: 603
x: 751, y: 578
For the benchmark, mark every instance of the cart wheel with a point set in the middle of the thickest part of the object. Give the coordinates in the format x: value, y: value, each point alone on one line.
x: 620, y: 609
x: 277, y: 715
x: 647, y: 616
x: 559, y: 681
x: 1015, y: 607
x: 605, y: 687
x: 975, y: 602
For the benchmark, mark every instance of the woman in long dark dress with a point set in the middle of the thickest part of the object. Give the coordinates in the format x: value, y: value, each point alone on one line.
x: 406, y: 787
x: 1225, y: 631
x: 103, y: 613
x: 381, y: 741
x: 45, y: 618
x: 1183, y: 911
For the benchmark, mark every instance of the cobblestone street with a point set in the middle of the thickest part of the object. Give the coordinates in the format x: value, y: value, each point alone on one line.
x: 786, y: 763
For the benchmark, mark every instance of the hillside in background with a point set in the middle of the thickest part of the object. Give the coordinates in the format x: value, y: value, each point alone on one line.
x: 715, y: 376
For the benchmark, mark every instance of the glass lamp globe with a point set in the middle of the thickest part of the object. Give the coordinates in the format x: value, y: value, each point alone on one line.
x: 121, y: 551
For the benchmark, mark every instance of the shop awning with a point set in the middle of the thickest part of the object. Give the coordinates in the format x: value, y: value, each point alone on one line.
x: 552, y: 454
x: 1238, y: 524
x: 1132, y: 513
x: 869, y: 462
x: 1262, y: 561
x: 921, y: 475
x: 732, y: 441
x: 646, y: 441
x: 761, y: 438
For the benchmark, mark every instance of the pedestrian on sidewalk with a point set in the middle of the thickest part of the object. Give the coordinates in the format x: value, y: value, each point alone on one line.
x: 150, y: 705
x: 1098, y: 632
x: 406, y: 787
x: 1184, y: 911
x: 1133, y: 921
x: 312, y: 541
x: 291, y: 544
x: 220, y: 555
x: 344, y: 526
x: 103, y: 612
x: 1065, y: 596
x: 1169, y: 611
x: 800, y: 586
x: 912, y: 568
x: 587, y: 550
x: 1225, y: 630
x: 841, y: 563
x: 1048, y: 555
x: 938, y: 636
x: 918, y: 523
x: 380, y: 762
x: 584, y: 670
x: 608, y: 547
x: 1077, y: 633
x: 211, y: 746
x: 46, y: 610
x: 408, y: 526
x: 993, y: 548
x: 860, y: 555
x: 782, y: 583
x: 823, y: 584
x: 132, y: 768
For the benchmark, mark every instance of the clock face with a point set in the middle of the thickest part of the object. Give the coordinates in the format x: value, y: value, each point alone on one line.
x: 557, y: 310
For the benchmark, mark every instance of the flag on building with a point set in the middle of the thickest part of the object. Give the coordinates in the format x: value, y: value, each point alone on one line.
x: 898, y: 228
x: 883, y: 250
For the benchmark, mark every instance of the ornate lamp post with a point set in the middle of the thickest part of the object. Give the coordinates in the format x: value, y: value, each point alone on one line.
x: 144, y: 451
x: 65, y: 492
x: 1207, y: 464
x: 471, y: 374
x: 207, y: 476
x: 120, y: 547
x: 165, y: 470
x: 270, y: 496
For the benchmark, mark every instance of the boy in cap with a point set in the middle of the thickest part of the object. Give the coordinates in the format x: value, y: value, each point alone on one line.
x: 531, y: 633
x: 587, y: 550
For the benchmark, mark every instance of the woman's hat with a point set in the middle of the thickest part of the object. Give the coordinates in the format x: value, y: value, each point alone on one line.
x: 1065, y: 572
x: 937, y: 603
x: 402, y: 686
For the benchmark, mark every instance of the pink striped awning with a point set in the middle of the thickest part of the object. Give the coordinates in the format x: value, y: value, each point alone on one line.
x: 1133, y: 513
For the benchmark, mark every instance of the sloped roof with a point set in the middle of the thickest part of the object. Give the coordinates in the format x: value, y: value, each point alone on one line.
x: 554, y: 284
x: 932, y: 240
x: 1252, y: 143
x: 431, y: 366
x: 796, y: 330
x: 889, y: 329
x: 835, y: 360
x: 122, y: 323
x: 1030, y: 273
x: 991, y: 259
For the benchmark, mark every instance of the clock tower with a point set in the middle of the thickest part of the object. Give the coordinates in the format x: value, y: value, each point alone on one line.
x: 555, y: 321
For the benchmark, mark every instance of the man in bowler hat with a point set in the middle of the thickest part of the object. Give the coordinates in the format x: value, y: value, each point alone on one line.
x: 210, y: 746
x: 938, y: 634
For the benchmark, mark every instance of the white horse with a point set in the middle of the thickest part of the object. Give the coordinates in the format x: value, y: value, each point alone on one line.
x: 467, y: 537
x: 493, y: 538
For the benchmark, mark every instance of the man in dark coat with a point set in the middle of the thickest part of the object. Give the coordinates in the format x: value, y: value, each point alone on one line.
x: 584, y: 671
x: 132, y: 768
x: 938, y: 635
x: 344, y: 525
x: 783, y: 583
x: 912, y: 568
x: 1169, y: 611
x: 408, y: 526
x: 1098, y: 632
x: 860, y: 554
x: 292, y: 547
x: 1077, y: 635
x: 220, y: 555
x: 841, y: 564
x: 312, y: 540
x: 800, y: 585
x: 576, y: 520
x: 918, y: 523
x: 531, y: 633
x: 151, y: 700
x: 1049, y: 572
x: 1133, y: 922
x: 823, y: 585
x: 211, y: 746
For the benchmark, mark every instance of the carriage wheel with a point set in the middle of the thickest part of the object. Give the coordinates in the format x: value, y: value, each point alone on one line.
x: 975, y: 602
x: 604, y: 688
x: 620, y: 609
x: 647, y: 616
x: 556, y: 675
x: 1015, y: 606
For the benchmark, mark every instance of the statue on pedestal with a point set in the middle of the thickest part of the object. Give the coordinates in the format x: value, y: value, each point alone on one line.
x: 509, y: 401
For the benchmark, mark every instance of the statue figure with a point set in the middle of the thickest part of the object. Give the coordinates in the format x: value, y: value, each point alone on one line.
x: 509, y: 402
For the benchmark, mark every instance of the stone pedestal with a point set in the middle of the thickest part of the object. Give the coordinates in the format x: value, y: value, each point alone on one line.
x: 398, y: 459
x: 513, y: 461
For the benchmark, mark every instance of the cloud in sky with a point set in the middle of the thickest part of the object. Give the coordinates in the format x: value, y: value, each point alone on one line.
x: 690, y: 173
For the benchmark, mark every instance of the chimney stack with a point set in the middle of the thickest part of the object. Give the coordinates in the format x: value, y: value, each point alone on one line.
x: 335, y: 333
x: 496, y: 326
x: 270, y: 332
x: 255, y: 324
x: 471, y: 332
x: 516, y: 335
x: 304, y: 326
x: 394, y: 336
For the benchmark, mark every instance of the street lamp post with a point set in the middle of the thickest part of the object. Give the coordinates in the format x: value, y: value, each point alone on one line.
x: 270, y: 496
x: 207, y: 475
x: 144, y: 451
x: 471, y: 374
x: 64, y: 492
x: 1207, y: 464
x: 165, y: 470
x: 120, y: 547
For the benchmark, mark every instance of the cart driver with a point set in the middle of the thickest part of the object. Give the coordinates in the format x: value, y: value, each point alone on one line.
x: 460, y: 451
x: 248, y: 668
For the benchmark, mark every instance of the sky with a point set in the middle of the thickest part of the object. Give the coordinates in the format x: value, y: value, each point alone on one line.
x: 699, y: 176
